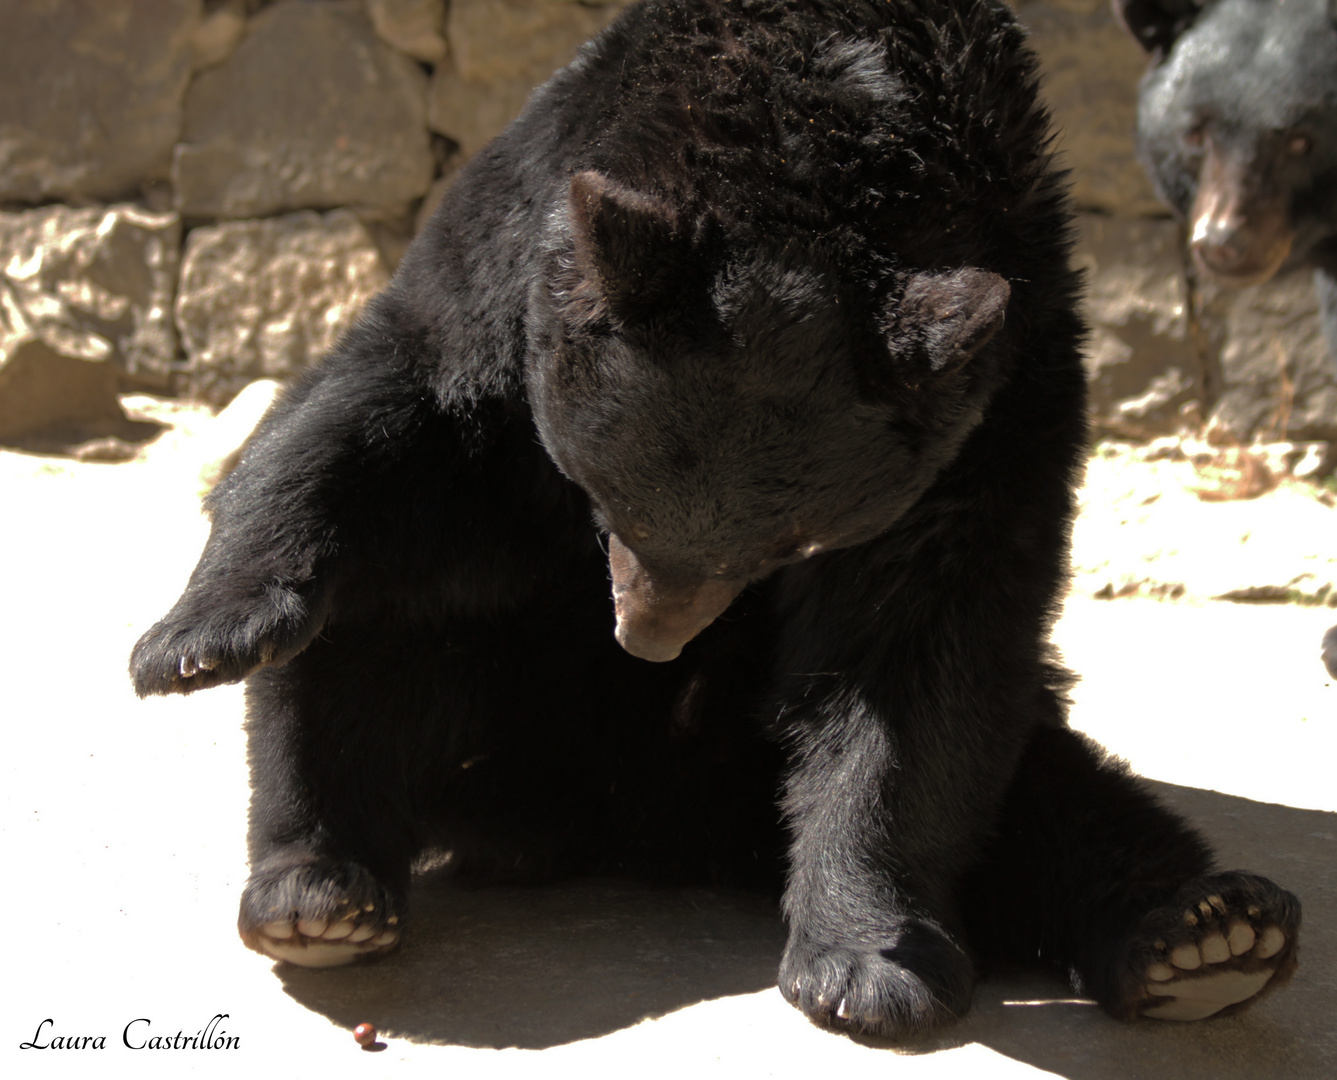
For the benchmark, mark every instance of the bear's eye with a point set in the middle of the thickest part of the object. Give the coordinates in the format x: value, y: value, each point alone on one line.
x: 1299, y: 145
x: 1195, y: 136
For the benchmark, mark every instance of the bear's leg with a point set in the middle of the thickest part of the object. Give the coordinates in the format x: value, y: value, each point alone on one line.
x: 331, y: 840
x: 874, y: 942
x: 313, y: 473
x: 261, y: 590
x: 1093, y: 875
x: 911, y: 702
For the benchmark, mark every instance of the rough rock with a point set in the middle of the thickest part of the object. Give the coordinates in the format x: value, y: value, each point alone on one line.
x: 311, y: 110
x: 219, y: 33
x: 1142, y: 360
x: 90, y: 95
x: 1275, y: 375
x: 85, y: 300
x: 1091, y: 70
x: 262, y: 299
x: 94, y: 284
x: 500, y: 51
x: 414, y: 27
x: 44, y: 393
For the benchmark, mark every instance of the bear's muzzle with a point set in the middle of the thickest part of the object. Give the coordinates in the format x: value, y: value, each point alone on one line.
x: 656, y: 617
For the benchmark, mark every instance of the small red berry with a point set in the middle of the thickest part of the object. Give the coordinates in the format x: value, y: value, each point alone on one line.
x: 365, y: 1034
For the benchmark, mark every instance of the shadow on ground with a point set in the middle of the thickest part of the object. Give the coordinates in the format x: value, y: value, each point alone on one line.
x: 540, y: 967
x: 1289, y: 1036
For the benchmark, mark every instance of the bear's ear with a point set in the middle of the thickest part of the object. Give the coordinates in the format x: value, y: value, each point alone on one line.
x: 627, y: 245
x: 1157, y: 24
x: 940, y: 320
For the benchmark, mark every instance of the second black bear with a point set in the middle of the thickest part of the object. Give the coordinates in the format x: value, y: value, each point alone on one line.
x: 1237, y: 125
x: 761, y: 309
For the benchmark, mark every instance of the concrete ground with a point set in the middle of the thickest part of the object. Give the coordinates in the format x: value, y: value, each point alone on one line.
x: 123, y: 841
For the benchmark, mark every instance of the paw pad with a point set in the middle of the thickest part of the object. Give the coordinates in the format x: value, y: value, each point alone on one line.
x: 1218, y: 952
x: 319, y: 915
x: 325, y: 942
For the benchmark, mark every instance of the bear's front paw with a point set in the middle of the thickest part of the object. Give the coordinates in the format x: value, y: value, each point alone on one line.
x: 1223, y: 942
x: 208, y: 639
x: 319, y: 914
x: 914, y: 980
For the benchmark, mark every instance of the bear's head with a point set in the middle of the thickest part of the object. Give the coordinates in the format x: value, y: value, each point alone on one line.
x: 732, y: 404
x: 1237, y: 125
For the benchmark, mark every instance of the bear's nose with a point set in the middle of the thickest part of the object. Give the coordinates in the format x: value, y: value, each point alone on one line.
x: 656, y: 617
x: 1239, y: 234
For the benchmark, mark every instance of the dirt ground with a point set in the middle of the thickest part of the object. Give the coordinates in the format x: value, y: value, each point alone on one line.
x: 124, y: 820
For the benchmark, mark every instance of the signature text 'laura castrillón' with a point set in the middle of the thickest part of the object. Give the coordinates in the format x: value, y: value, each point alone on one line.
x: 138, y: 1034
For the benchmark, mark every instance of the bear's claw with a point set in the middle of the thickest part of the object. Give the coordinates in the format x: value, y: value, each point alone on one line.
x: 204, y: 642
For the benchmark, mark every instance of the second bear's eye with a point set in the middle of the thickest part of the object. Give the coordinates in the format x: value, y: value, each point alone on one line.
x: 1195, y: 136
x: 1299, y: 145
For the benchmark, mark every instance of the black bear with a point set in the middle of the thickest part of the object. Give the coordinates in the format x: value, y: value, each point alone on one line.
x: 762, y: 309
x: 1237, y: 126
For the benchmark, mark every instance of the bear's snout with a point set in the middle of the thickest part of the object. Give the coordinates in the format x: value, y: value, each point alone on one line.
x: 1241, y: 230
x: 655, y: 617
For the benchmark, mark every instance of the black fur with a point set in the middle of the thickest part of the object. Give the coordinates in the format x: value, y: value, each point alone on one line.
x: 766, y: 307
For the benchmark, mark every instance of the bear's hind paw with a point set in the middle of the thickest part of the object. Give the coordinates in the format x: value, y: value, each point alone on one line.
x: 1224, y: 941
x: 319, y: 915
x: 315, y: 943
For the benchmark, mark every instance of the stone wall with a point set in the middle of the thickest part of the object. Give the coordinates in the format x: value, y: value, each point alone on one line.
x: 198, y: 193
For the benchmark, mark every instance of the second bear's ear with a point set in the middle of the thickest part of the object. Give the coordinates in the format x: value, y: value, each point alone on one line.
x: 1157, y: 24
x: 941, y: 320
x: 625, y: 243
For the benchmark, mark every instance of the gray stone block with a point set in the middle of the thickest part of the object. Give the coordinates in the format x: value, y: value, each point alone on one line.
x: 312, y: 109
x: 92, y: 286
x: 499, y: 51
x: 414, y: 27
x: 90, y: 95
x: 1091, y: 68
x: 1141, y: 358
x: 1275, y: 375
x: 262, y: 299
